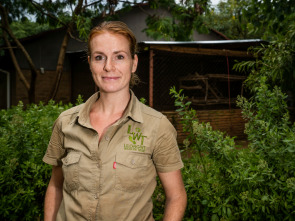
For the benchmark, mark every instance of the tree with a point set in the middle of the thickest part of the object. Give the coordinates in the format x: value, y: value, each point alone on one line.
x: 15, y: 10
x: 186, y: 17
x: 75, y: 16
x: 227, y: 18
x: 240, y: 19
x: 71, y: 15
x: 275, y: 62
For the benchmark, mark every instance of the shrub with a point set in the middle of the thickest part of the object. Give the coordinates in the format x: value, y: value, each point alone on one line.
x: 24, y: 136
x: 227, y: 183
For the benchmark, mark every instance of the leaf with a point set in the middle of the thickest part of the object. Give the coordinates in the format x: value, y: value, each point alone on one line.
x: 214, y: 217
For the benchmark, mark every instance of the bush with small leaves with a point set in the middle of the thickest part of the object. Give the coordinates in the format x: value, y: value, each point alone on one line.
x: 24, y: 136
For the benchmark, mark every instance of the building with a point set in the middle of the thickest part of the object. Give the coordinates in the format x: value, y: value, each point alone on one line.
x: 161, y: 66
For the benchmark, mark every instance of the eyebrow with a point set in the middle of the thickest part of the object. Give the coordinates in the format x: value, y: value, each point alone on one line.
x: 115, y: 52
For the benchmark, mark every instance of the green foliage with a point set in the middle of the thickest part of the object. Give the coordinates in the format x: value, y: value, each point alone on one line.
x: 268, y: 128
x: 27, y: 28
x: 185, y: 17
x: 84, y: 26
x: 224, y: 182
x: 252, y: 18
x: 228, y: 18
x: 142, y: 100
x: 24, y: 136
x: 275, y: 61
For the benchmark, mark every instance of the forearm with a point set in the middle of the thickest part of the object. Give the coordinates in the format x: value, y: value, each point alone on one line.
x: 53, y: 195
x: 52, y: 202
x: 175, y: 208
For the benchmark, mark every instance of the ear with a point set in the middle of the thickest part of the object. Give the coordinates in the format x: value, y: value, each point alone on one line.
x: 89, y: 60
x: 134, y: 64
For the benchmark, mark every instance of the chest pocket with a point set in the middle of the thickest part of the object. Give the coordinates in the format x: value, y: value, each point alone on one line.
x: 131, y: 171
x: 71, y: 170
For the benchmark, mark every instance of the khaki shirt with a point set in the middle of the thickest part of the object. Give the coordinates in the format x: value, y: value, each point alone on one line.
x: 114, y: 178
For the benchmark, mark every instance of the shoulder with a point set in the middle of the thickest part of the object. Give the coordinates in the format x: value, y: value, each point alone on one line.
x: 71, y: 111
x: 148, y: 111
x: 69, y: 114
x: 151, y: 115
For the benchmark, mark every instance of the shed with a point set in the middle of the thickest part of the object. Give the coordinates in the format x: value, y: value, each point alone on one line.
x: 203, y: 69
x: 44, y: 50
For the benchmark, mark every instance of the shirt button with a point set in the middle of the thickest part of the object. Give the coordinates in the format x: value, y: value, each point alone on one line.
x: 107, y: 138
x: 132, y: 161
x: 95, y: 197
x: 97, y: 165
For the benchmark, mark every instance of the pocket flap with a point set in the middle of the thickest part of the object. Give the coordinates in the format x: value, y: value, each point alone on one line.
x: 132, y: 160
x: 71, y: 158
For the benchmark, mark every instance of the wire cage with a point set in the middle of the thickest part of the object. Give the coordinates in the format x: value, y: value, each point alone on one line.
x: 208, y: 81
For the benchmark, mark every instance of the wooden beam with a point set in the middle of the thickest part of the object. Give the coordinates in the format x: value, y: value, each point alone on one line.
x: 201, y: 51
x: 225, y: 76
x: 197, y: 87
x: 151, y: 79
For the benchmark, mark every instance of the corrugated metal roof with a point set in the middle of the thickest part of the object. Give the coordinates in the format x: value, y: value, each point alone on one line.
x: 204, y: 42
x: 242, y: 45
x: 234, y: 44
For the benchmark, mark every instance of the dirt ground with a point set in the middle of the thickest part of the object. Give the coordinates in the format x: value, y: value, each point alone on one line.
x: 241, y: 144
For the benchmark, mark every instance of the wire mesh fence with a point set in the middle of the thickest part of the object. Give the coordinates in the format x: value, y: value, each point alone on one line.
x: 209, y: 81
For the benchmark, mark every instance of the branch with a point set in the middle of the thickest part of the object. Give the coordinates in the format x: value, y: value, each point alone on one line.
x: 3, y: 71
x: 75, y: 38
x: 19, y: 45
x: 93, y: 3
x: 78, y: 8
x: 61, y: 56
x: 143, y: 2
x: 40, y: 9
x: 144, y: 11
x: 5, y: 26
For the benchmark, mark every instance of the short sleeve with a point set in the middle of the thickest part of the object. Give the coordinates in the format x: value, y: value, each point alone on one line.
x: 166, y: 154
x: 55, y: 150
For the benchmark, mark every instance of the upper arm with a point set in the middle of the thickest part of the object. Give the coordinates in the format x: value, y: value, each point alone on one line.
x: 57, y: 178
x: 166, y: 155
x: 173, y: 184
x: 55, y: 150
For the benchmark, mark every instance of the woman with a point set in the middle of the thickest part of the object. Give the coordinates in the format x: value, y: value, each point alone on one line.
x: 107, y: 152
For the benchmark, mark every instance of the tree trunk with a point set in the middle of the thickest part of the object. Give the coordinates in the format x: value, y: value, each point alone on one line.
x: 59, y: 67
x: 6, y: 28
x: 62, y: 52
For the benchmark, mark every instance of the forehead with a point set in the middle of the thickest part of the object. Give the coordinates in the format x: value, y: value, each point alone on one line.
x: 108, y: 40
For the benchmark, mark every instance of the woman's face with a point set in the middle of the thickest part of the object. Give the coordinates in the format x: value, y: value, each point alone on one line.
x: 111, y: 62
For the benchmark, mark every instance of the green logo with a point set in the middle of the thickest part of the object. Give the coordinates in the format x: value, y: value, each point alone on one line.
x: 137, y: 140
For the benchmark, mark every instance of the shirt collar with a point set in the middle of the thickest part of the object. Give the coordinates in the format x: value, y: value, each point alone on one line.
x: 132, y: 111
x: 83, y: 115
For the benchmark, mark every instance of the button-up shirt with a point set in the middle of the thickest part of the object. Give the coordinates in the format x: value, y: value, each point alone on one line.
x: 114, y: 178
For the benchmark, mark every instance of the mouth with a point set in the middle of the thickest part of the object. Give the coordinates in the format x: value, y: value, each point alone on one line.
x: 110, y: 78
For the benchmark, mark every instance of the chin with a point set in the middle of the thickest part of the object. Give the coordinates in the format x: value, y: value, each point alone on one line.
x: 113, y: 89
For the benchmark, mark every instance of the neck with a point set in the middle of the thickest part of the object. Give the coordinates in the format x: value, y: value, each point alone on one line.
x: 111, y: 103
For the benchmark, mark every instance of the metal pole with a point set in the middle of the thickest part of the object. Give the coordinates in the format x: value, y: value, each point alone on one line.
x: 151, y: 79
x: 8, y: 90
x: 7, y: 87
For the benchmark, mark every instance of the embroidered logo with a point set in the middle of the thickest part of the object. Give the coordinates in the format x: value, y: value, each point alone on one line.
x: 137, y: 140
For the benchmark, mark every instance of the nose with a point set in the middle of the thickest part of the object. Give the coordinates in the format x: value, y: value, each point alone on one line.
x: 108, y: 65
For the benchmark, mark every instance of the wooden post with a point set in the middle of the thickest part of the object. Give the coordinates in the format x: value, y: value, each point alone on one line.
x: 151, y: 79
